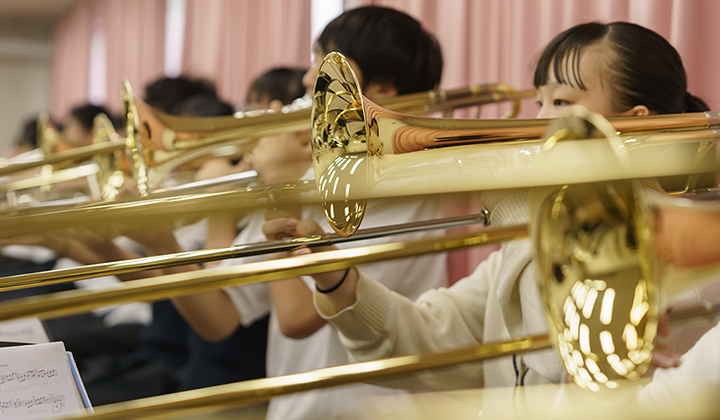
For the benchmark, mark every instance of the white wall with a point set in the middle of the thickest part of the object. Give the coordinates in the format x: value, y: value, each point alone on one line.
x: 24, y: 91
x: 25, y: 68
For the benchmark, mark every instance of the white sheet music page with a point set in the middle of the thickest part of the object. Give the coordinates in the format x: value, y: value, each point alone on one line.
x: 36, y: 382
x: 23, y: 330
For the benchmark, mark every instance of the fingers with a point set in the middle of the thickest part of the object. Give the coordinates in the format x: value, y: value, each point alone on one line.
x: 664, y: 326
x: 277, y: 214
x: 280, y: 228
x: 665, y: 357
x: 308, y: 227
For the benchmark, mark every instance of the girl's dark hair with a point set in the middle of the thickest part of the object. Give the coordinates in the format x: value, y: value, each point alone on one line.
x: 283, y: 84
x: 388, y: 46
x: 641, y: 69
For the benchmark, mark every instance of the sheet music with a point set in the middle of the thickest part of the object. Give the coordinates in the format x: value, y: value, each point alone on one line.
x: 24, y: 330
x: 36, y: 382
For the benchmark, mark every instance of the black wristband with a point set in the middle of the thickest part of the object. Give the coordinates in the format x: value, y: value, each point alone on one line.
x: 334, y: 288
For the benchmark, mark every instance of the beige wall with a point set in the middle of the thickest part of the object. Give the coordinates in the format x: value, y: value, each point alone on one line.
x: 25, y: 65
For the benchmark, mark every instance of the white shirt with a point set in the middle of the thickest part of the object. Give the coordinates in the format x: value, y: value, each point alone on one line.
x: 409, y: 277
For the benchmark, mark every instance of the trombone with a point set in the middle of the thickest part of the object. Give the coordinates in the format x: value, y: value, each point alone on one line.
x: 158, y: 142
x: 669, y: 145
x: 174, y: 285
x: 610, y: 199
x: 362, y: 150
x: 255, y: 391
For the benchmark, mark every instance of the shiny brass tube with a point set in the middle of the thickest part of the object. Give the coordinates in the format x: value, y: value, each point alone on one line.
x: 117, y: 215
x: 262, y: 390
x: 191, y: 132
x: 164, y: 287
x: 237, y: 251
x: 255, y: 391
x: 480, y: 172
x: 78, y: 153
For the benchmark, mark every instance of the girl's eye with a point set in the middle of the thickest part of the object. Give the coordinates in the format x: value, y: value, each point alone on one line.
x: 560, y: 102
x: 539, y: 104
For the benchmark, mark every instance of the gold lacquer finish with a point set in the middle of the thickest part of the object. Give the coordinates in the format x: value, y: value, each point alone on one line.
x: 235, y: 251
x: 602, y: 279
x: 110, y: 174
x: 261, y: 390
x: 157, y: 288
x: 594, y: 253
x: 197, y: 137
x: 115, y: 216
x: 340, y: 144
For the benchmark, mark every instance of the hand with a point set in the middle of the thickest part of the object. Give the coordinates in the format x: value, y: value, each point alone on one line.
x: 278, y: 227
x: 65, y: 246
x: 664, y: 356
x: 214, y: 168
x: 280, y: 224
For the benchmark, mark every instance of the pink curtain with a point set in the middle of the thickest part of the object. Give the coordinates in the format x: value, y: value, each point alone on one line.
x: 135, y: 32
x: 135, y: 35
x: 71, y: 58
x: 500, y: 40
x: 230, y: 42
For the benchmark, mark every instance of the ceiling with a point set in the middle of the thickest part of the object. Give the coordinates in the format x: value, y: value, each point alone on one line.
x: 33, y: 8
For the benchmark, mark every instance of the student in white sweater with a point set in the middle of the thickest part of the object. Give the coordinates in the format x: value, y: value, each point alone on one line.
x: 614, y: 69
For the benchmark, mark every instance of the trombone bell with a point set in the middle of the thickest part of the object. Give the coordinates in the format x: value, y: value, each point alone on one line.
x: 361, y: 150
x: 602, y: 279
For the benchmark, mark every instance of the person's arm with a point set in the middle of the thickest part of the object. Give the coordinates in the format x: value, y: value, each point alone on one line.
x: 341, y: 297
x: 211, y: 314
x: 688, y: 238
x: 296, y: 313
x: 376, y: 322
x: 292, y: 299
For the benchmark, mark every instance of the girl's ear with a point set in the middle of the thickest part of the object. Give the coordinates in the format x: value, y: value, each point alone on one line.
x: 637, y: 111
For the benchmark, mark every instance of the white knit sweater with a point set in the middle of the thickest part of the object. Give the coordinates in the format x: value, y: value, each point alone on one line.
x: 501, y: 299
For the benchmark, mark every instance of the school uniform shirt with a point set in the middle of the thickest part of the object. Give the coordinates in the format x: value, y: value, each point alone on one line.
x: 409, y: 277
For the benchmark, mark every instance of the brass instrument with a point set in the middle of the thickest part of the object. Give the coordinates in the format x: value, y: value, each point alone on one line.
x: 627, y: 157
x: 255, y: 391
x: 236, y: 251
x: 49, y: 142
x: 455, y: 169
x: 573, y: 129
x: 361, y: 150
x: 162, y: 142
x: 605, y: 281
x: 158, y: 142
x: 207, y: 400
x: 250, y: 392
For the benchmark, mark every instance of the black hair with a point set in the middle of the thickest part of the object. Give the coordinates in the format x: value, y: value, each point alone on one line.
x: 202, y: 106
x: 85, y: 114
x: 388, y: 46
x: 163, y: 94
x: 283, y: 84
x: 642, y: 68
x: 28, y: 133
